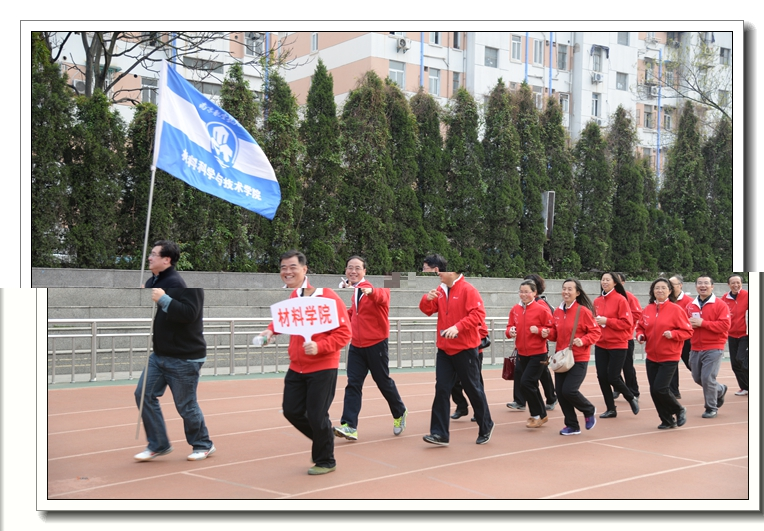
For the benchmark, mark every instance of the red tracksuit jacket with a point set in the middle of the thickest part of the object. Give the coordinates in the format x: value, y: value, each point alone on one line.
x: 619, y: 327
x: 657, y: 319
x: 587, y: 330
x: 712, y: 334
x: 370, y: 318
x: 463, y: 307
x: 522, y: 318
x: 738, y: 309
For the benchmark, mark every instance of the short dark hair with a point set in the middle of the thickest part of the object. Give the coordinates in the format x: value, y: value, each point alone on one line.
x: 169, y: 250
x: 356, y: 257
x: 292, y: 253
x: 671, y: 295
x: 733, y: 275
x: 703, y: 275
x: 435, y: 260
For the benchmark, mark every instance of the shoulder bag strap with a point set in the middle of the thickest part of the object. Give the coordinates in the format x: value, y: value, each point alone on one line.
x: 575, y: 325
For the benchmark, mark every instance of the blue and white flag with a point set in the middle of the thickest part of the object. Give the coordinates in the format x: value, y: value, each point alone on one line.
x: 201, y: 144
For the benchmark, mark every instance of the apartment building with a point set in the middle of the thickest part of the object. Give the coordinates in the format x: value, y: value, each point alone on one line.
x: 590, y: 73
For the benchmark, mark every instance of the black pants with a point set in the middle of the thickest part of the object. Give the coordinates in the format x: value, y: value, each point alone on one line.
x: 531, y: 370
x: 629, y: 373
x: 739, y: 359
x: 659, y: 375
x: 306, y: 402
x: 686, y: 360
x: 547, y: 384
x: 609, y: 364
x: 458, y: 396
x: 361, y: 361
x: 462, y: 366
x: 568, y: 385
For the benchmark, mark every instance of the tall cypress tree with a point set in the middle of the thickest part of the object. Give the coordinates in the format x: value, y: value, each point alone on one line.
x: 321, y: 225
x: 686, y: 189
x: 281, y: 144
x: 408, y: 232
x: 366, y: 196
x: 533, y: 179
x: 52, y: 108
x: 465, y: 199
x: 503, y: 202
x: 717, y: 154
x: 431, y: 181
x: 629, y: 214
x: 560, y: 248
x: 97, y: 161
x: 595, y: 192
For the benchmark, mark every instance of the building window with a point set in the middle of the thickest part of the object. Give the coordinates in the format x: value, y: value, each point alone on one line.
x: 724, y: 56
x: 205, y: 65
x: 148, y: 90
x: 458, y: 40
x: 565, y: 102
x: 516, y: 49
x: 595, y: 104
x: 622, y: 81
x: 724, y: 98
x: 210, y: 89
x: 491, y: 57
x: 398, y: 73
x: 562, y: 56
x: 435, y: 37
x: 623, y: 38
x: 314, y: 42
x: 648, y: 154
x: 254, y: 43
x: 649, y: 72
x: 669, y: 75
x: 597, y: 60
x: 538, y: 52
x: 457, y: 81
x: 667, y: 119
x: 398, y: 33
x: 538, y: 97
x: 649, y: 117
x: 434, y: 81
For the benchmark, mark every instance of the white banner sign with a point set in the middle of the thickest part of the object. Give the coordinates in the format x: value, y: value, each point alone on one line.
x: 305, y: 316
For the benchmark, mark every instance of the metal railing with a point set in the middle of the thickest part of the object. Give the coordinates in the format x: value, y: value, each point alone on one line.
x: 116, y: 349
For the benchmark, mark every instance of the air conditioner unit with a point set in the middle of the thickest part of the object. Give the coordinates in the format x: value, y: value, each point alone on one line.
x: 597, y: 77
x: 675, y: 44
x: 598, y: 121
x: 654, y: 92
x: 79, y: 84
x: 404, y: 44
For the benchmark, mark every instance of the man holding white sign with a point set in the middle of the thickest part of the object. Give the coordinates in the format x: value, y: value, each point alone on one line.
x: 319, y: 329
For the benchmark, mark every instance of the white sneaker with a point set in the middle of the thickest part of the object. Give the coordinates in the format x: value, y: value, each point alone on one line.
x: 198, y: 455
x: 742, y: 392
x: 148, y: 455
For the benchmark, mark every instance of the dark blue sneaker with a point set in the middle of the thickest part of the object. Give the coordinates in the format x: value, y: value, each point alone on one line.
x: 569, y: 431
x: 591, y: 421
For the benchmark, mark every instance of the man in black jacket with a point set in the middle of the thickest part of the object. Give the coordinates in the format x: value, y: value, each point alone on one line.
x: 179, y: 353
x: 164, y: 255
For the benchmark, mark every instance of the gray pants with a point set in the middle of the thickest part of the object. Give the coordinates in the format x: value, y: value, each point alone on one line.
x: 704, y: 365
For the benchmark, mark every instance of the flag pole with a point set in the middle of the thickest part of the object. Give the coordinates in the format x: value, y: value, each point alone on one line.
x: 145, y: 375
x: 148, y: 220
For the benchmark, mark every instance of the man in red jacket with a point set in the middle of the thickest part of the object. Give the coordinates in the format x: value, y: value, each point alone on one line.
x: 682, y: 299
x: 310, y: 382
x: 710, y: 320
x: 460, y: 312
x: 737, y: 301
x: 369, y: 319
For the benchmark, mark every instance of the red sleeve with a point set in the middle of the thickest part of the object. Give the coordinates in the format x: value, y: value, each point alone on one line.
x: 591, y: 330
x: 721, y: 324
x: 475, y: 311
x: 623, y: 321
x: 428, y: 307
x: 682, y: 329
x: 337, y: 338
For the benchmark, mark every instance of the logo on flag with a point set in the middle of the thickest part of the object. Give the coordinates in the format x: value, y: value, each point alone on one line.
x: 201, y: 144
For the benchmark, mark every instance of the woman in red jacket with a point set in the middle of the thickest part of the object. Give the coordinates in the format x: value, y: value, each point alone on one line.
x: 587, y: 332
x: 527, y: 321
x: 663, y: 328
x: 613, y: 314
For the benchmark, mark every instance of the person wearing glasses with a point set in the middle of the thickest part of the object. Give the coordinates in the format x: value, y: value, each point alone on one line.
x: 164, y: 255
x: 737, y: 301
x: 710, y: 319
x: 369, y: 314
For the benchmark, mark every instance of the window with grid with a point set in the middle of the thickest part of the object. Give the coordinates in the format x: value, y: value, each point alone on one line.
x: 595, y: 104
x: 597, y: 60
x: 491, y: 57
x: 649, y: 113
x: 516, y: 48
x: 314, y: 42
x: 434, y: 37
x: 565, y: 102
x: 254, y: 43
x: 148, y: 90
x: 458, y: 40
x: 562, y: 56
x: 623, y: 37
x: 538, y: 51
x: 622, y: 81
x: 724, y: 98
x: 457, y: 80
x: 724, y: 56
x: 398, y: 73
x: 667, y: 115
x: 434, y: 81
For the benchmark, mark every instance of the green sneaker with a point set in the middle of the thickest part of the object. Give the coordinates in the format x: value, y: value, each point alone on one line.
x: 318, y: 470
x: 346, y: 432
x: 399, y: 424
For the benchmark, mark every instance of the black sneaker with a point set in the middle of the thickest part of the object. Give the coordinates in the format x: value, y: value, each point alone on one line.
x: 709, y: 414
x: 482, y: 439
x: 459, y: 414
x: 720, y: 400
x: 435, y: 439
x: 634, y: 405
x: 667, y: 426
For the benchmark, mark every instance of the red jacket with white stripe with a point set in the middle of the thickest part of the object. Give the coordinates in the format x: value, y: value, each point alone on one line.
x: 461, y: 305
x: 738, y: 309
x: 329, y: 343
x: 587, y: 330
x: 619, y: 327
x: 636, y: 309
x: 369, y: 317
x: 713, y: 331
x: 658, y: 318
x: 522, y: 318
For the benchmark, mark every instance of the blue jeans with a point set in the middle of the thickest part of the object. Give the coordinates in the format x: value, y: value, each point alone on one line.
x: 182, y: 377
